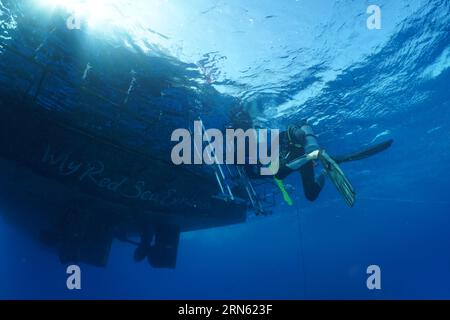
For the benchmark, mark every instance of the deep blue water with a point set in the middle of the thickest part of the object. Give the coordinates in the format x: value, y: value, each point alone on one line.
x: 285, y: 60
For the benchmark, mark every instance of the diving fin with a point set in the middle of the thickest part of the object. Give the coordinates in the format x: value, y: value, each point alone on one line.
x: 286, y: 196
x: 360, y: 155
x: 369, y: 152
x: 338, y: 178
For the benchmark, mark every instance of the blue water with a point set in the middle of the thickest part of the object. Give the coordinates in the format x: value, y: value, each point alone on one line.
x: 285, y: 61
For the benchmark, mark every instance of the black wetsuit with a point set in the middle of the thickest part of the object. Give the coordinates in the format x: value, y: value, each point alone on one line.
x: 292, y: 146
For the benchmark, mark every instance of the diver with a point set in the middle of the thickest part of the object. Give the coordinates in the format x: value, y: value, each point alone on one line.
x: 300, y: 151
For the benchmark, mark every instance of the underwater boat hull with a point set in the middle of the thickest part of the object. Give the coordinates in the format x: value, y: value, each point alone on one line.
x: 83, y: 184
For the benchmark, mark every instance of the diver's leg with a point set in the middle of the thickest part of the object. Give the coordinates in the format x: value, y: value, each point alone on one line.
x: 283, y: 173
x: 311, y: 186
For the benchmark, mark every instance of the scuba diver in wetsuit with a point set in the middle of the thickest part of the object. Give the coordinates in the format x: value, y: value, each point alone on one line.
x: 296, y: 142
x: 300, y: 151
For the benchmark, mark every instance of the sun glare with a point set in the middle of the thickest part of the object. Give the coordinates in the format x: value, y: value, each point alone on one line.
x: 94, y: 13
x: 135, y: 18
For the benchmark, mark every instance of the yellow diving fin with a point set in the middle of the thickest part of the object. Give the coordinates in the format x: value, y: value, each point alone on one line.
x: 286, y: 197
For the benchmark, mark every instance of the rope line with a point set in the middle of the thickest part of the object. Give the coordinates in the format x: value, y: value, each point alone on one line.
x: 301, y: 251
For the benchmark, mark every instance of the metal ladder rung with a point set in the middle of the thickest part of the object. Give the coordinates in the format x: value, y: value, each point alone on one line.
x: 236, y: 176
x: 218, y: 171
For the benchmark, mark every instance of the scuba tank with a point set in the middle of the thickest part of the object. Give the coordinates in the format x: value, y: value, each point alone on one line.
x: 303, y: 137
x: 310, y: 144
